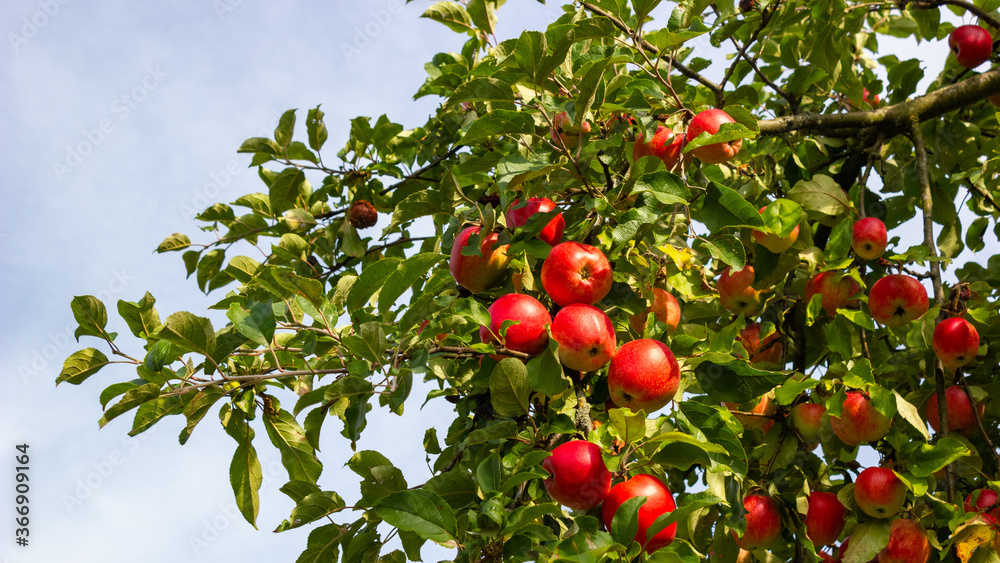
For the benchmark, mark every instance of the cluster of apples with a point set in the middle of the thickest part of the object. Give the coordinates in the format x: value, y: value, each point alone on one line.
x: 668, y: 145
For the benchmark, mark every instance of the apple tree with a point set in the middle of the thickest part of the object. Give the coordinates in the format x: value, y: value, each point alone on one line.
x: 716, y: 321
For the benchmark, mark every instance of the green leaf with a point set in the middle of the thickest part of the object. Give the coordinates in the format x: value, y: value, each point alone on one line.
x: 297, y: 455
x: 725, y: 207
x: 176, y: 241
x: 691, y: 503
x: 457, y: 489
x: 820, y: 195
x: 261, y: 145
x: 81, y: 365
x: 196, y: 409
x: 310, y: 289
x: 911, y: 414
x: 496, y: 93
x: 515, y: 169
x: 483, y: 15
x: 316, y: 129
x: 404, y: 276
x: 311, y: 508
x: 91, y: 315
x: 188, y: 332
x: 323, y: 544
x: 545, y: 373
x: 715, y: 424
x: 451, y: 14
x: 627, y: 426
x: 727, y: 132
x: 244, y: 471
x: 141, y: 317
x: 286, y: 125
x: 589, y: 84
x: 151, y: 412
x: 132, y: 399
x: 256, y: 323
x: 867, y: 539
x: 500, y: 430
x: 726, y: 249
x: 370, y: 282
x: 420, y: 511
x: 496, y: 123
x: 625, y: 522
x: 782, y: 216
x: 529, y: 53
x: 489, y: 473
x: 923, y: 459
x: 509, y: 388
x: 285, y: 189
x: 666, y: 187
x: 735, y: 381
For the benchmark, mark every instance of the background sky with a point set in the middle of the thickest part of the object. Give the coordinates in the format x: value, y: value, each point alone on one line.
x: 119, y: 122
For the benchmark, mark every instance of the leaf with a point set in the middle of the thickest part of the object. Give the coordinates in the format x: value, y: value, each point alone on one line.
x: 316, y: 129
x: 256, y: 323
x: 666, y: 187
x: 529, y: 53
x: 589, y: 84
x: 911, y: 414
x: 726, y: 249
x: 322, y: 545
x: 404, y: 276
x: 196, y: 409
x: 627, y: 426
x: 725, y: 207
x: 500, y: 430
x: 80, y: 365
x: 284, y: 190
x: 286, y: 126
x: 244, y: 471
x: 689, y: 505
x: 735, y: 381
x: 515, y: 169
x: 141, y: 317
x: 91, y: 315
x: 821, y: 195
x: 132, y: 399
x: 923, y: 459
x: 625, y: 522
x: 715, y: 424
x: 498, y: 94
x: 311, y: 508
x: 451, y: 14
x: 370, y: 282
x: 176, y: 241
x: 496, y: 123
x: 309, y: 288
x: 509, y: 388
x: 867, y: 540
x: 420, y: 511
x: 188, y: 332
x: 297, y: 455
x: 151, y: 412
x: 545, y: 373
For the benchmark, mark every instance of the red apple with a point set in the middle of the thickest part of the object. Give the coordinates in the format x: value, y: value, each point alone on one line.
x: 576, y: 273
x: 478, y: 273
x: 869, y: 238
x: 518, y: 215
x: 665, y: 308
x: 773, y: 242
x: 564, y: 130
x: 763, y: 522
x: 585, y: 335
x: 879, y: 492
x: 873, y: 101
x: 859, y: 421
x: 665, y: 145
x: 842, y: 551
x: 529, y: 335
x: 763, y: 405
x: 767, y: 353
x: 907, y: 543
x: 825, y: 518
x: 986, y: 502
x: 955, y: 342
x: 709, y: 121
x: 659, y: 501
x: 643, y: 374
x: 960, y: 415
x: 807, y: 419
x: 825, y: 557
x: 897, y: 299
x: 836, y: 290
x: 736, y: 292
x: 971, y: 44
x: 578, y: 477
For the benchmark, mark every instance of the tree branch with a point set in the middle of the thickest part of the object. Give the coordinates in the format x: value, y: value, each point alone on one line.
x: 968, y: 6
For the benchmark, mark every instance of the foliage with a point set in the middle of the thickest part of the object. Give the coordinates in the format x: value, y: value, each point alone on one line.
x: 326, y: 323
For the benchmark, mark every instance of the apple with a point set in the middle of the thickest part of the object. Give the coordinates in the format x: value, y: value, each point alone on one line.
x: 659, y: 501
x: 873, y: 101
x: 859, y: 421
x: 709, y: 121
x: 879, y: 492
x: 836, y: 290
x: 578, y: 477
x: 766, y: 353
x: 518, y: 215
x: 665, y: 308
x: 763, y: 522
x: 564, y: 130
x: 825, y: 557
x: 842, y: 551
x: 907, y: 543
x: 585, y: 335
x: 986, y: 503
x: 955, y: 342
x: 897, y: 299
x: 478, y: 273
x: 362, y: 214
x: 960, y: 415
x: 643, y: 374
x: 773, y: 242
x: 763, y: 405
x: 807, y: 419
x: 971, y: 44
x: 665, y: 145
x: 576, y: 273
x: 736, y: 292
x: 529, y: 335
x: 825, y: 518
x: 869, y: 238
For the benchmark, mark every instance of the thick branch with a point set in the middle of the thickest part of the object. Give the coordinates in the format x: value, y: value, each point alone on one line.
x: 968, y: 6
x: 891, y: 119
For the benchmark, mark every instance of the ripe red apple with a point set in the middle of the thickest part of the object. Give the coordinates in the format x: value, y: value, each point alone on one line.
x: 825, y: 557
x: 659, y: 501
x: 665, y: 145
x: 960, y: 415
x: 643, y: 374
x: 955, y: 342
x: 665, y: 308
x: 859, y: 421
x: 842, y: 551
x: 736, y: 292
x: 478, y: 273
x: 907, y: 543
x: 529, y: 335
x: 768, y: 352
x: 585, y: 335
x: 763, y: 405
x: 563, y: 129
x: 763, y: 522
x: 986, y: 502
x: 971, y: 44
x: 836, y: 290
x: 879, y: 492
x: 518, y: 215
x: 578, y: 477
x: 872, y: 101
x: 897, y: 299
x: 576, y: 273
x: 869, y: 238
x: 807, y: 419
x: 773, y: 242
x: 825, y: 518
x: 709, y: 121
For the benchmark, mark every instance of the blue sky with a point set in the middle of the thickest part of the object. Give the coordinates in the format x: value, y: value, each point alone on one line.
x: 118, y: 120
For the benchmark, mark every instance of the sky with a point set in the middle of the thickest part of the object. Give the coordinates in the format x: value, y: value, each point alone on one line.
x: 119, y: 122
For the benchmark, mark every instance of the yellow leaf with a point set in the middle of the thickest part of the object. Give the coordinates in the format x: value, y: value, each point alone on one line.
x: 970, y: 537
